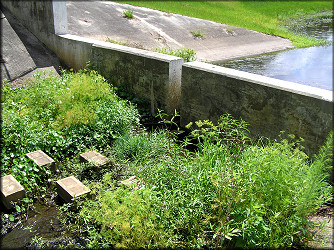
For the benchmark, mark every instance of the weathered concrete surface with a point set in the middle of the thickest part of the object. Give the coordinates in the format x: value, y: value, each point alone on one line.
x: 154, y: 29
x: 71, y: 187
x: 268, y: 105
x: 11, y: 190
x: 153, y: 76
x: 41, y: 159
x: 22, y: 52
x: 93, y: 157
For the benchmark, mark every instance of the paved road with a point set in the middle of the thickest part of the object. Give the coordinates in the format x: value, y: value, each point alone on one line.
x: 154, y: 29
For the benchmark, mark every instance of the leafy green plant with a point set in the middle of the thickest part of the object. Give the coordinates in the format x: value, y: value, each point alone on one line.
x: 197, y: 34
x: 188, y: 55
x: 128, y: 14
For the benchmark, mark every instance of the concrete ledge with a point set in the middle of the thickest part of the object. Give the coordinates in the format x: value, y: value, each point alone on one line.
x: 11, y: 191
x: 268, y: 105
x: 71, y: 187
x: 263, y: 80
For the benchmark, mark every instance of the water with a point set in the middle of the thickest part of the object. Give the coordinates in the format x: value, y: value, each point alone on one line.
x: 311, y: 66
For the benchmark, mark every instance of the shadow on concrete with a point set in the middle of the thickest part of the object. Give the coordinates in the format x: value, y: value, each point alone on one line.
x: 22, y: 52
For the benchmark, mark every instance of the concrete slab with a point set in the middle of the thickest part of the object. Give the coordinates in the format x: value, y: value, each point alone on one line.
x: 133, y: 182
x: 11, y: 190
x: 70, y: 187
x: 93, y: 157
x: 42, y: 159
x: 22, y: 52
x: 154, y: 29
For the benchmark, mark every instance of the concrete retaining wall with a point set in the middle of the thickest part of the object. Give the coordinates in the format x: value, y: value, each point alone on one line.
x: 207, y: 91
x: 267, y: 104
x: 151, y: 76
x: 156, y: 76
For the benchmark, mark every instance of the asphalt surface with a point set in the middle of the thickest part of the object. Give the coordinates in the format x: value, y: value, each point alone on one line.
x: 152, y: 29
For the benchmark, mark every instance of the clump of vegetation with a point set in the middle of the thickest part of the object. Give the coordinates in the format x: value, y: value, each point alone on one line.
x: 188, y: 55
x: 60, y: 116
x: 128, y: 14
x: 197, y: 34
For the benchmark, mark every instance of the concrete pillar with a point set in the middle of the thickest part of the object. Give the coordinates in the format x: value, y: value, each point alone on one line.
x: 59, y: 10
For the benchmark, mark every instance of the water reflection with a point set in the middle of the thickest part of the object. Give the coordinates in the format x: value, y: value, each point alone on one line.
x: 311, y: 66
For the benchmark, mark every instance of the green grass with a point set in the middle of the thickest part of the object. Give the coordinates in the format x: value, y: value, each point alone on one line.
x: 269, y: 17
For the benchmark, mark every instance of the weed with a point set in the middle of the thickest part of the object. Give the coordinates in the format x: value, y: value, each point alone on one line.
x: 197, y: 34
x: 188, y: 55
x: 128, y: 14
x: 117, y: 42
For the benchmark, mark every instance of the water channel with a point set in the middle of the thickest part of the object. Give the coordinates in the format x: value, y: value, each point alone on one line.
x: 311, y: 66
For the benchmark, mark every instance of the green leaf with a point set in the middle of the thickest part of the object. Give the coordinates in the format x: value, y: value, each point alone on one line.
x: 18, y: 209
x: 11, y: 217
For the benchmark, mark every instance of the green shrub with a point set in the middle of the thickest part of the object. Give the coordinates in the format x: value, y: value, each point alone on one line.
x: 125, y: 218
x: 228, y: 193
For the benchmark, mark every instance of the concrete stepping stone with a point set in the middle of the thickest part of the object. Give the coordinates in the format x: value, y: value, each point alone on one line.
x: 70, y: 187
x: 93, y: 157
x: 11, y: 191
x: 42, y: 159
x: 133, y: 182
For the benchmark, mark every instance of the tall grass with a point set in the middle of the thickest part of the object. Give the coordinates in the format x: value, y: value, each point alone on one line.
x: 264, y: 16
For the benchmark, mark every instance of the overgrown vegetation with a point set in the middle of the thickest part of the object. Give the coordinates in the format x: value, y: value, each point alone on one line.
x: 270, y: 17
x: 62, y: 117
x: 188, y: 55
x: 227, y: 192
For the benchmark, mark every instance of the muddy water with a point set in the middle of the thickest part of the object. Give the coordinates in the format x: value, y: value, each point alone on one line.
x: 311, y: 66
x: 41, y: 222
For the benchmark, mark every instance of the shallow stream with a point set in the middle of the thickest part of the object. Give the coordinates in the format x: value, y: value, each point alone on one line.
x: 311, y: 66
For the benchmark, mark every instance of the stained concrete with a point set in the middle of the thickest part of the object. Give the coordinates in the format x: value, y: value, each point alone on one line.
x: 42, y: 159
x: 71, y: 187
x: 93, y: 157
x: 152, y: 29
x: 11, y: 190
x: 22, y: 52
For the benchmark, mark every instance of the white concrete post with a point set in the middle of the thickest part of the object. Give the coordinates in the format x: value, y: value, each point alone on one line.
x: 59, y: 17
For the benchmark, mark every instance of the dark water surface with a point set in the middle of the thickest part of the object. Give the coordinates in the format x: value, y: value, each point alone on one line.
x: 311, y: 66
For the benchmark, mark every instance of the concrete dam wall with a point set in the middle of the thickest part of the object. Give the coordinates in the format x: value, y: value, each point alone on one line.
x: 197, y: 90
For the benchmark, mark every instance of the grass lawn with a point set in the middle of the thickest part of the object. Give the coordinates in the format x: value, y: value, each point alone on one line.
x: 265, y: 16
